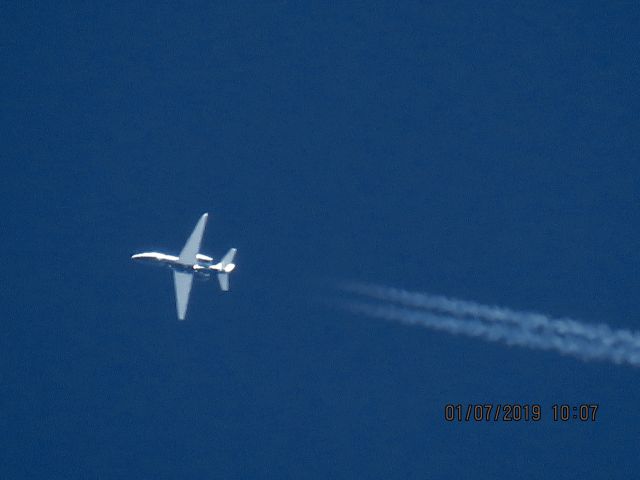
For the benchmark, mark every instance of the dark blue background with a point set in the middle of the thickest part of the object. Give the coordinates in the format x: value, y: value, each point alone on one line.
x: 488, y: 153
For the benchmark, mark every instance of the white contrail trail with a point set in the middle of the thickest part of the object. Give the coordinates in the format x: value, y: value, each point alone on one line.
x: 532, y: 330
x: 464, y: 308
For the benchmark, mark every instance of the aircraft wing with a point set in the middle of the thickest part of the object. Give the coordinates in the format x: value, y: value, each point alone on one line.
x: 192, y: 247
x: 182, y: 282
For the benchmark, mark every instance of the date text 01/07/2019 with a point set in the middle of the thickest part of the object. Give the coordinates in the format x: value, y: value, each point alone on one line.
x: 518, y: 412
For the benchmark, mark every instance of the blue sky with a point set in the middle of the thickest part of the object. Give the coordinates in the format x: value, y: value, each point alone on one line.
x: 483, y: 152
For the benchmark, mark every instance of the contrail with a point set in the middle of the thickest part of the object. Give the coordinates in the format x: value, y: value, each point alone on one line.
x: 532, y: 330
x: 464, y: 308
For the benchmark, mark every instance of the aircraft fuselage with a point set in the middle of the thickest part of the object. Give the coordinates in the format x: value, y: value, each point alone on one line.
x: 201, y: 269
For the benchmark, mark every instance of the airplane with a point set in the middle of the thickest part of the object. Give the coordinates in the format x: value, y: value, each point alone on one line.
x: 189, y: 264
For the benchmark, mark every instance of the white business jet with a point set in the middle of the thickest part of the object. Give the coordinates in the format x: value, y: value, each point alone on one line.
x: 191, y: 263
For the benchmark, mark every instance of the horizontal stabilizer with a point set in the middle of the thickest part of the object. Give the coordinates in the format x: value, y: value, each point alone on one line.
x: 223, y: 279
x: 228, y: 258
